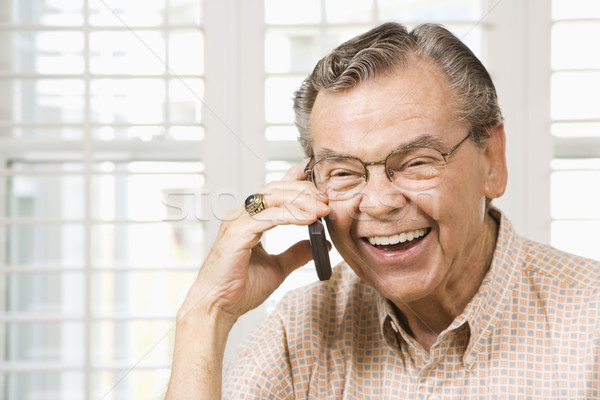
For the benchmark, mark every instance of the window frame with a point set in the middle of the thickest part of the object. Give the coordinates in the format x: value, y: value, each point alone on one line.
x: 87, y: 151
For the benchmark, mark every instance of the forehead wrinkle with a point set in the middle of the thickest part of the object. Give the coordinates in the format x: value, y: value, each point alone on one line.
x: 421, y: 141
x: 327, y: 153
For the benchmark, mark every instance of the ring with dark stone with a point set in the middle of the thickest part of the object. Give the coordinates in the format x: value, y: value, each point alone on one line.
x: 255, y: 203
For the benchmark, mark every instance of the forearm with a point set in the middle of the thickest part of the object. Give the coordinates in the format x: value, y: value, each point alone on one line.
x: 198, y: 358
x: 237, y: 276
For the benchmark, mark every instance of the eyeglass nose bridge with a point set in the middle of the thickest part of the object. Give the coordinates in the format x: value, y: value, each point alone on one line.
x: 388, y: 173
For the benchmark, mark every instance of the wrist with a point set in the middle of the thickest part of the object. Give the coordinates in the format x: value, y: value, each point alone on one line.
x: 200, y: 340
x: 204, y: 315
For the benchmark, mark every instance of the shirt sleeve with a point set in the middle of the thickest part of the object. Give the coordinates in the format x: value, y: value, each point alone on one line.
x: 261, y: 369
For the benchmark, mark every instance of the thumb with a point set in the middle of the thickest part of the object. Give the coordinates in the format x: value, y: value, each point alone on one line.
x: 294, y: 257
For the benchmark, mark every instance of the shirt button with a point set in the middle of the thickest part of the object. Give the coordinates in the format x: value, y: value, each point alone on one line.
x: 468, y: 360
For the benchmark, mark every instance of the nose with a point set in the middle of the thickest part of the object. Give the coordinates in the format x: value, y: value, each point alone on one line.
x: 380, y: 197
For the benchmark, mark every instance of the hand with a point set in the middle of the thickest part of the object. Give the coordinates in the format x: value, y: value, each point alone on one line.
x: 238, y: 274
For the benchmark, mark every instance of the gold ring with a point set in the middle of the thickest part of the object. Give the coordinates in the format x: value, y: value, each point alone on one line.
x: 255, y: 203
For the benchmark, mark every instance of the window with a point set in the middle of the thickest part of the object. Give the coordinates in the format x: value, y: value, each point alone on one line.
x: 100, y: 128
x: 575, y: 114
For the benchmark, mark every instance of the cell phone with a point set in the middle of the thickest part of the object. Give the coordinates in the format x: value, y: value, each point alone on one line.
x: 316, y: 232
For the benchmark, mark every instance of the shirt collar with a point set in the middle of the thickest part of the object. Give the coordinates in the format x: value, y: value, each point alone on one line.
x: 486, y: 307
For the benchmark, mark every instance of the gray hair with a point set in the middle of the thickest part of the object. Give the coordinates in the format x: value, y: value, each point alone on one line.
x: 390, y: 46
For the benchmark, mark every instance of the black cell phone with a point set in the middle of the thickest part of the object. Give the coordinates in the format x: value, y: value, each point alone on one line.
x: 316, y: 232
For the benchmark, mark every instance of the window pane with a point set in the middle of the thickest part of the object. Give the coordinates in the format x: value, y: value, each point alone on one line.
x: 289, y: 133
x: 567, y: 9
x: 349, y: 11
x: 289, y: 12
x: 429, y: 10
x: 292, y: 49
x: 46, y: 196
x: 576, y: 129
x: 575, y: 194
x: 185, y: 100
x: 127, y: 12
x: 156, y: 132
x: 148, y: 341
x: 276, y: 170
x: 45, y: 386
x: 54, y: 293
x: 52, y: 341
x: 147, y: 197
x: 147, y: 167
x: 45, y: 12
x: 580, y: 164
x: 46, y: 52
x: 128, y: 52
x: 138, y: 384
x: 278, y: 97
x: 45, y: 245
x: 128, y: 100
x: 126, y: 245
x: 29, y: 167
x: 575, y: 95
x: 336, y: 36
x: 43, y: 100
x: 140, y: 293
x: 185, y: 12
x: 144, y: 133
x: 186, y: 53
x: 571, y: 45
x: 577, y: 237
x: 47, y: 133
x: 186, y: 133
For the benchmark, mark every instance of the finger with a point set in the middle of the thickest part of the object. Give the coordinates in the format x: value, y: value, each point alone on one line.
x: 246, y: 231
x: 294, y: 257
x: 303, y: 194
x: 296, y: 173
x: 289, y: 214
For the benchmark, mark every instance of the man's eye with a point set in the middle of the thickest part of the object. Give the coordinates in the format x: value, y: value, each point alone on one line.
x: 413, y: 164
x: 343, y: 174
x: 419, y: 162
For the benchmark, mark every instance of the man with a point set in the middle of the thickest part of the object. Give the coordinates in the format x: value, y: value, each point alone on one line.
x: 437, y: 297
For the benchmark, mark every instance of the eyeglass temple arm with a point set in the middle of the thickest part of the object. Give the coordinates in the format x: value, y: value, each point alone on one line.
x: 452, y: 150
x: 307, y: 169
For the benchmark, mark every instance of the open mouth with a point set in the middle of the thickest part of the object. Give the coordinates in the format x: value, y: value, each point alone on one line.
x: 398, y: 242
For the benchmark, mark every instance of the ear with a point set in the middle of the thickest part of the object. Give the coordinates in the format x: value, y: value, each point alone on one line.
x: 495, y: 154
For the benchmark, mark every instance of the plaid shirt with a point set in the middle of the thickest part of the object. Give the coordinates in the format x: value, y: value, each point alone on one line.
x: 532, y: 331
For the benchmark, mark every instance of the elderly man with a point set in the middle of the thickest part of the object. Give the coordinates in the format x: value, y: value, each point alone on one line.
x: 437, y: 296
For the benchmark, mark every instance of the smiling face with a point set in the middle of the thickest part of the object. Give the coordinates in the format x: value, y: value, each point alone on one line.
x: 410, y: 246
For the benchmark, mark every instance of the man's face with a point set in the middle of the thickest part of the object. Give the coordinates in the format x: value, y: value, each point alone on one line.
x: 368, y: 122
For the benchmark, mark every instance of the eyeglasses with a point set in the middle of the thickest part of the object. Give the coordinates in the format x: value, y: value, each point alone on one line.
x: 412, y: 169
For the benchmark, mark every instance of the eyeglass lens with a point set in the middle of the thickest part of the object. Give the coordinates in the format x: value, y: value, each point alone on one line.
x: 414, y: 170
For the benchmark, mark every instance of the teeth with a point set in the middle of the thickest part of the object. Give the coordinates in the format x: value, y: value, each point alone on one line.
x: 398, y: 238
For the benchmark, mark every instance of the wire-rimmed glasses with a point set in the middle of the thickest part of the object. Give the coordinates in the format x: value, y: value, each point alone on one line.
x: 412, y: 169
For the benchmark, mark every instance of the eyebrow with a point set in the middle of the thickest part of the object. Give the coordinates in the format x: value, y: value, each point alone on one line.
x: 421, y: 141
